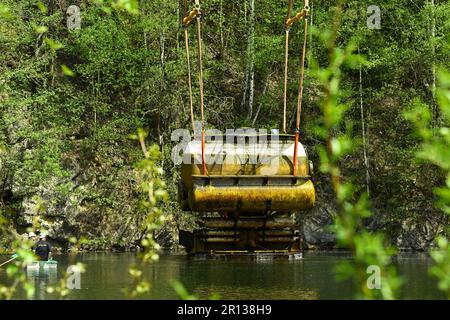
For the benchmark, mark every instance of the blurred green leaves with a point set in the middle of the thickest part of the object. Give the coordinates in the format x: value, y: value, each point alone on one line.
x: 152, y: 189
x: 54, y: 45
x: 435, y: 149
x: 181, y: 291
x: 368, y: 248
x: 67, y: 71
x: 130, y: 6
x: 184, y: 294
x: 4, y: 11
x: 441, y: 268
x: 14, y: 270
x: 42, y: 7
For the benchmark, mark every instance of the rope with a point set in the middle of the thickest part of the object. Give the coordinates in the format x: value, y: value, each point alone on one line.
x: 200, y: 76
x: 288, y: 23
x: 300, y: 94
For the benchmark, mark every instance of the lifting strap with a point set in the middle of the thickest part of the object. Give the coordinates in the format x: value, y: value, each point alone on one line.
x: 288, y: 23
x: 300, y: 96
x: 187, y: 20
x: 200, y: 78
x: 185, y: 24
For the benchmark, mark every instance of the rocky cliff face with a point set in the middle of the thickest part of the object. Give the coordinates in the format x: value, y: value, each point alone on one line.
x: 418, y: 235
x: 315, y: 224
x: 94, y: 199
x: 410, y: 234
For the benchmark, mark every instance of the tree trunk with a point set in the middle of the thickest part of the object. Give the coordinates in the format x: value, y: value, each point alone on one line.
x: 221, y: 29
x: 311, y: 18
x: 260, y: 104
x: 433, y: 86
x: 251, y: 50
x: 249, y: 82
x: 363, y: 125
x: 162, y: 43
x: 244, y: 94
x: 179, y: 17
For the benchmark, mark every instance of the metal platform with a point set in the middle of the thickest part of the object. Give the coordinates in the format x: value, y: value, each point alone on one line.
x: 259, y: 256
x: 243, y: 235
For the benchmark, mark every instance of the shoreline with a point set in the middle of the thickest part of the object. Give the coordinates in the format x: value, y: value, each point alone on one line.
x: 182, y: 252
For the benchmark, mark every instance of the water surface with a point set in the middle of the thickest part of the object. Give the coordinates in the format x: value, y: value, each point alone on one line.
x: 310, y: 278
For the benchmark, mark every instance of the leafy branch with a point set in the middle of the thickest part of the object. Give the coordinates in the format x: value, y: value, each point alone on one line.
x: 152, y: 186
x: 368, y: 248
x: 435, y: 149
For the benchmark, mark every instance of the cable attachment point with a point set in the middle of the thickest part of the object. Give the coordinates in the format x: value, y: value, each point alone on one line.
x: 197, y: 8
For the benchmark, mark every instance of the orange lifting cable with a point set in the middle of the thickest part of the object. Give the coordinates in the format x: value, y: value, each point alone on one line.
x: 187, y: 20
x: 290, y: 20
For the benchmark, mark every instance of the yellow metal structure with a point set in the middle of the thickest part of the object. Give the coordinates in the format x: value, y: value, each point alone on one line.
x: 247, y: 185
x: 252, y: 198
x: 247, y: 177
x: 251, y: 186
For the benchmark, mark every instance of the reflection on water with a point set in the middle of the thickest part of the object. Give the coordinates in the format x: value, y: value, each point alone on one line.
x: 42, y: 279
x: 311, y: 278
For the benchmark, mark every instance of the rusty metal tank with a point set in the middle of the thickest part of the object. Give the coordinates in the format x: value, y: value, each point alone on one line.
x: 246, y: 174
x: 247, y: 195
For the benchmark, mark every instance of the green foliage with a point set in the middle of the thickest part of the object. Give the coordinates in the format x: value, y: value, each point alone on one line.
x: 441, y: 268
x: 4, y: 11
x: 181, y: 291
x: 15, y: 271
x: 184, y: 294
x: 435, y: 149
x: 130, y: 6
x: 23, y: 255
x: 152, y: 188
x: 70, y: 99
x: 368, y: 248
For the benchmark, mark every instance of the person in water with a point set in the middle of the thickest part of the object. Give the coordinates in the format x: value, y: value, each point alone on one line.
x: 42, y: 248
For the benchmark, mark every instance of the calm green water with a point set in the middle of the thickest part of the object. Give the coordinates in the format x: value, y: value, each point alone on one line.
x: 309, y: 278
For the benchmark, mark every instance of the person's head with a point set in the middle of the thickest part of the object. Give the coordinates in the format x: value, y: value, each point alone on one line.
x: 42, y: 237
x: 31, y: 235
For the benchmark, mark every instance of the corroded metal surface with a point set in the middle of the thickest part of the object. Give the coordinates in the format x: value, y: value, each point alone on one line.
x: 255, y: 198
x: 250, y: 234
x: 246, y: 178
x: 252, y: 198
x: 248, y: 223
